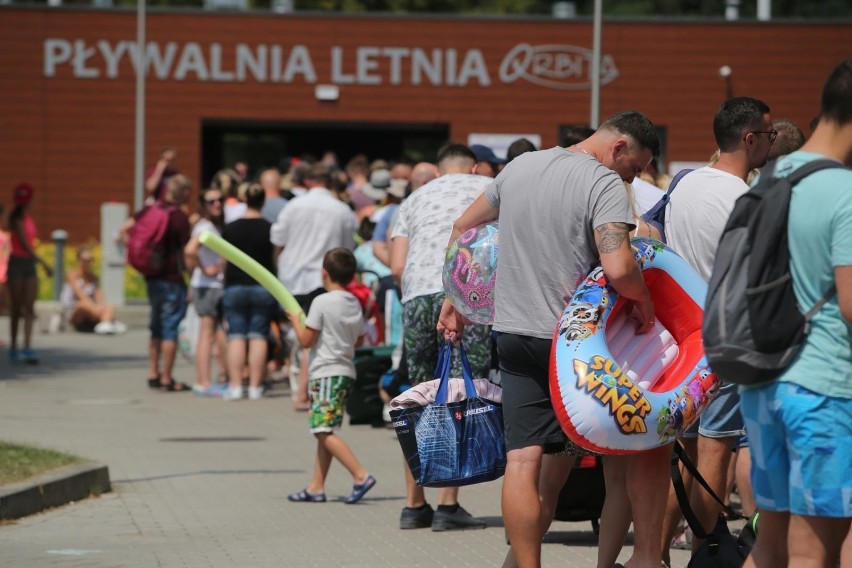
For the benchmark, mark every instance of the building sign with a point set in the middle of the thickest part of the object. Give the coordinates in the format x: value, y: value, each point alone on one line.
x: 552, y: 66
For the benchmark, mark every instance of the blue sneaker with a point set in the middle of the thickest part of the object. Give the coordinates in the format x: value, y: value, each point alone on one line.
x: 13, y: 356
x: 29, y: 356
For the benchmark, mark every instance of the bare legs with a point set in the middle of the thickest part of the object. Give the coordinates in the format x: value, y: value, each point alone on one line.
x: 616, y: 514
x: 237, y: 358
x: 206, y: 337
x: 812, y: 542
x: 22, y: 295
x: 522, y: 505
x: 673, y: 514
x: 416, y: 497
x: 331, y: 446
x: 554, y: 473
x: 714, y: 455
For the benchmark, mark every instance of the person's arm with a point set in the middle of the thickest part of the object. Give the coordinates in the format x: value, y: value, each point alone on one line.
x: 643, y: 229
x: 450, y: 322
x: 124, y: 230
x: 479, y: 212
x: 307, y: 335
x: 79, y: 294
x: 843, y: 279
x: 152, y: 182
x: 190, y: 254
x: 623, y: 271
x: 399, y: 253
x: 381, y: 251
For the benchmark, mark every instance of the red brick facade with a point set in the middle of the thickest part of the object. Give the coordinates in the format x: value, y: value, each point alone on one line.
x: 68, y: 86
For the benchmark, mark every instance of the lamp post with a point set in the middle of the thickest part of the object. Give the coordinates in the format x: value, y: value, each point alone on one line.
x: 141, y: 69
x: 594, y: 117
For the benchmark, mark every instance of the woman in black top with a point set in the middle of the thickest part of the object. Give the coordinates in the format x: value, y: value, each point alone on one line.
x: 248, y: 306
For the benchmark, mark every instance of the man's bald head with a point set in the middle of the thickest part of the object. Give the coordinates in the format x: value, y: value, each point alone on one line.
x: 423, y: 173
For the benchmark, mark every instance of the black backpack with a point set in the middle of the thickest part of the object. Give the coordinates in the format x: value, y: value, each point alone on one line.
x: 753, y: 327
x: 656, y: 215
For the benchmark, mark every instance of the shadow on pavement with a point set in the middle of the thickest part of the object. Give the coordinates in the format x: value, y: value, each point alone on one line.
x: 211, y: 472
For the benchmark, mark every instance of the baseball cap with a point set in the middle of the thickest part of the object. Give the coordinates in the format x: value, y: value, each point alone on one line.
x: 485, y: 154
x: 23, y: 194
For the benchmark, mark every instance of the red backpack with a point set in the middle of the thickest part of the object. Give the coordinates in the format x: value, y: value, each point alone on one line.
x: 145, y: 248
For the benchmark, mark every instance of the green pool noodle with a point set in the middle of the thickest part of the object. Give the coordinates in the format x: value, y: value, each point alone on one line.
x: 253, y: 268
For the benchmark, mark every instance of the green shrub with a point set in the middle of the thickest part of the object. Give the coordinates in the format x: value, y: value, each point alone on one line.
x: 134, y: 283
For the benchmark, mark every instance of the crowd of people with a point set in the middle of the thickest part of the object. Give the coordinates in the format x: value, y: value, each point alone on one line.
x: 317, y: 225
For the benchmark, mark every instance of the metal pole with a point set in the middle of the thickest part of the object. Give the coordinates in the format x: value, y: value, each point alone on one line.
x: 764, y: 10
x: 59, y: 237
x: 141, y: 68
x: 596, y: 67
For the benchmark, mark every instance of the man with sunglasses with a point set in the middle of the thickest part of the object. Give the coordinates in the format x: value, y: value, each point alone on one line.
x: 696, y: 217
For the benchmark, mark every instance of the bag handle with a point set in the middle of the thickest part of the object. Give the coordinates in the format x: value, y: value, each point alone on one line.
x: 680, y: 455
x: 445, y: 363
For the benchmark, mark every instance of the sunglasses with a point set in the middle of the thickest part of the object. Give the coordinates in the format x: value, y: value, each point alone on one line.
x: 773, y: 134
x: 213, y: 201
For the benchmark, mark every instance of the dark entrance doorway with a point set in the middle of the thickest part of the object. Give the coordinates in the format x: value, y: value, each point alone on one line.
x: 265, y: 144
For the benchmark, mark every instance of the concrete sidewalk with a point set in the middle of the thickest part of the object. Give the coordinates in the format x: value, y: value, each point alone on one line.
x: 202, y: 482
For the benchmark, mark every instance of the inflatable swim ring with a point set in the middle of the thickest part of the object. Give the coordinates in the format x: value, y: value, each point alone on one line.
x: 615, y: 392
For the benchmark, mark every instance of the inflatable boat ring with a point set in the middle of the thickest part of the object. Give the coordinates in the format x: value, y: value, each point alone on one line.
x: 615, y: 392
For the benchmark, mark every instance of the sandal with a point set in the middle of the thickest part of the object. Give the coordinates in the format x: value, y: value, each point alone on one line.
x: 304, y: 497
x: 175, y: 386
x: 683, y: 541
x: 153, y: 382
x: 359, y: 490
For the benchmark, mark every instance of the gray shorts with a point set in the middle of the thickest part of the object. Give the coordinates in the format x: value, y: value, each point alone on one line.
x: 208, y: 302
x: 721, y: 418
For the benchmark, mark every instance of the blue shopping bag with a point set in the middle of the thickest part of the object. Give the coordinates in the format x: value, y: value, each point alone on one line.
x: 450, y: 444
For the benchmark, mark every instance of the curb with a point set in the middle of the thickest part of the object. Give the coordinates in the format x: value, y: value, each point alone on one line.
x: 52, y: 489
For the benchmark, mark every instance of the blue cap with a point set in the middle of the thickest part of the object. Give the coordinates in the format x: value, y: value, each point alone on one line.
x: 485, y: 154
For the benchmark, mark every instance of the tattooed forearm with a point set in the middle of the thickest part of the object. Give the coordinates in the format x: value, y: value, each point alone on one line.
x: 610, y: 236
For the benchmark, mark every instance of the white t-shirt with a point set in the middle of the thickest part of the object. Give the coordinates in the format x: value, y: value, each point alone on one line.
x: 337, y: 315
x: 426, y: 219
x: 697, y: 213
x: 207, y: 258
x: 646, y: 195
x: 234, y: 211
x: 308, y: 227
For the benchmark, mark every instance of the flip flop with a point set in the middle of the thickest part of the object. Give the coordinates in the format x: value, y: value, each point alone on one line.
x: 359, y: 490
x: 175, y: 386
x: 304, y: 497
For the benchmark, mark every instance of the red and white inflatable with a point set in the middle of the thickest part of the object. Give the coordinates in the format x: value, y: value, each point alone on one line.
x: 615, y: 392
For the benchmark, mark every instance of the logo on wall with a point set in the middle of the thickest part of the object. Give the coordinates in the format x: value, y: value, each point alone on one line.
x: 564, y: 67
x: 555, y: 66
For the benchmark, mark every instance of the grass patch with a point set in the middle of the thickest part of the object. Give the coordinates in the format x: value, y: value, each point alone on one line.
x: 18, y: 463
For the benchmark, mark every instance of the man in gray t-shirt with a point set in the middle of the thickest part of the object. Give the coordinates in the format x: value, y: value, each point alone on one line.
x: 560, y: 211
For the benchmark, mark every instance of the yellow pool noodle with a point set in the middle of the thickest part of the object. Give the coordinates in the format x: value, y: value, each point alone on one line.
x: 253, y: 268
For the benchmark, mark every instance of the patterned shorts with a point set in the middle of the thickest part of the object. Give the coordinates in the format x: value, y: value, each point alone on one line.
x: 328, y: 402
x: 801, y: 450
x: 423, y: 342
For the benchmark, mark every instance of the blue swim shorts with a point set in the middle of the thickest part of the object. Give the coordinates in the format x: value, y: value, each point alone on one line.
x: 801, y: 450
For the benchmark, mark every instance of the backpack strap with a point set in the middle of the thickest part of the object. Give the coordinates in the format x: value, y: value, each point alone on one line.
x: 680, y: 455
x: 795, y: 177
x: 656, y: 215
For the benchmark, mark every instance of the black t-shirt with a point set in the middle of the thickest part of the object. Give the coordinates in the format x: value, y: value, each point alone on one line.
x: 252, y: 237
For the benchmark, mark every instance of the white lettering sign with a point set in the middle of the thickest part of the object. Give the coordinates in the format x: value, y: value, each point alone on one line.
x: 552, y: 66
